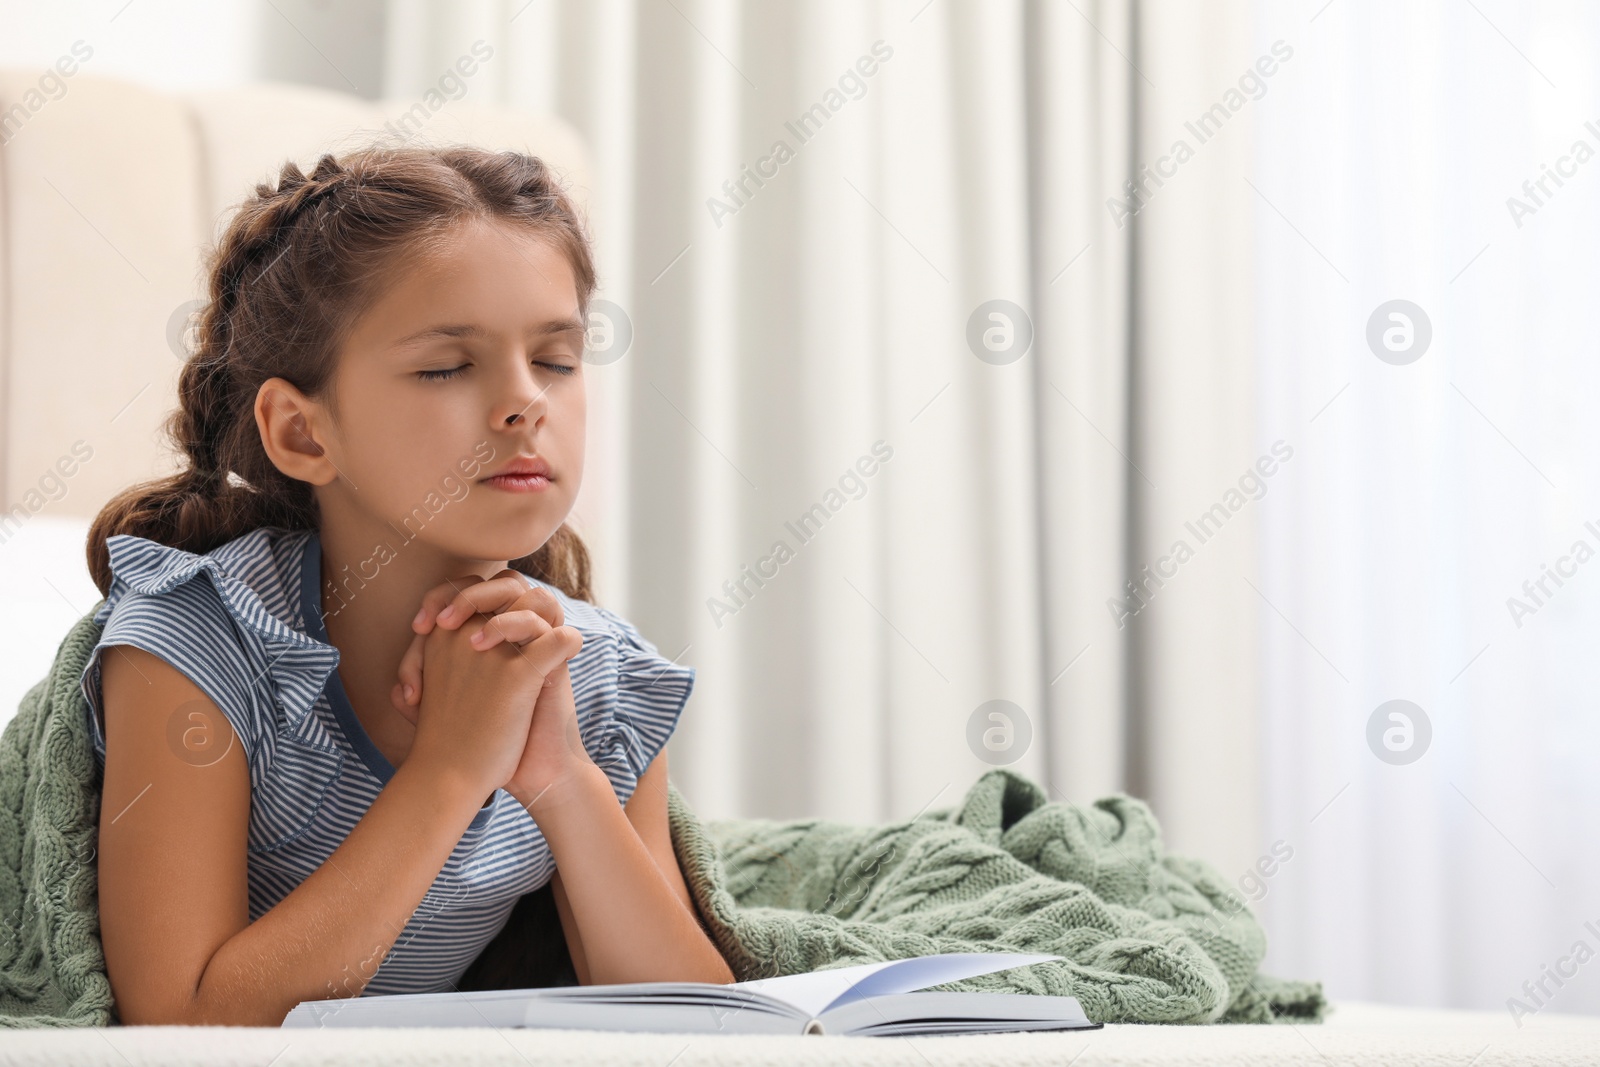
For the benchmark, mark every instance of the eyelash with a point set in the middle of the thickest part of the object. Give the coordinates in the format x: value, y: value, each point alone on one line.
x: 442, y: 375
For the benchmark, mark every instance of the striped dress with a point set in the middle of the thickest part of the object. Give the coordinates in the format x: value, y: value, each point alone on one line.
x: 244, y: 622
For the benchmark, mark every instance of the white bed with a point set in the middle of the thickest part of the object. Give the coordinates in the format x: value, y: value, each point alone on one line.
x: 1354, y: 1033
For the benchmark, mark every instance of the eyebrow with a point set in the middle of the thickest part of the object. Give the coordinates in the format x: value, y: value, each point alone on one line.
x: 475, y: 332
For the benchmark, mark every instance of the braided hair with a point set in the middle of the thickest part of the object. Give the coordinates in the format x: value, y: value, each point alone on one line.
x: 292, y: 271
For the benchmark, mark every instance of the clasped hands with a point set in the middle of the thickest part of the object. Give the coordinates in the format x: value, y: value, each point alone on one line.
x: 514, y: 612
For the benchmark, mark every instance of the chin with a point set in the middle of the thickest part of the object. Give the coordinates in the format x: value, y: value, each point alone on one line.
x: 516, y: 547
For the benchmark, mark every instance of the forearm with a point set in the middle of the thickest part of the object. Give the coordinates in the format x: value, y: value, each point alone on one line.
x: 633, y: 926
x: 569, y: 928
x: 326, y: 938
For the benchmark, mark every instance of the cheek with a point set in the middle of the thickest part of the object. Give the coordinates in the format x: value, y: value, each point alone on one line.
x: 403, y: 441
x: 574, y: 416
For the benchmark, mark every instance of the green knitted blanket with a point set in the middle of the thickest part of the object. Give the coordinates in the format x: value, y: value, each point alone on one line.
x: 1147, y: 937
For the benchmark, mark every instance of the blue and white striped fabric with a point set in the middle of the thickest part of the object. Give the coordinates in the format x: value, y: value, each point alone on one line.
x: 250, y: 634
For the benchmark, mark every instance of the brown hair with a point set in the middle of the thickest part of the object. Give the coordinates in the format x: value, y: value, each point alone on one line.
x: 291, y: 273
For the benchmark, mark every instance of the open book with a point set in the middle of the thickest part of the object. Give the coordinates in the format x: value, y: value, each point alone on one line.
x: 872, y: 1000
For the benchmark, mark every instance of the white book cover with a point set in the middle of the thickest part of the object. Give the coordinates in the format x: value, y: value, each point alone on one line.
x: 874, y: 999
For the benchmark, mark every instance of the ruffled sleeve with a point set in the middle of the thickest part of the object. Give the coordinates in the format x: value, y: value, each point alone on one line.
x: 629, y: 696
x: 216, y: 631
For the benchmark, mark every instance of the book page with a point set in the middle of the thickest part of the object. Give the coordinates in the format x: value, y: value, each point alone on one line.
x: 955, y: 1013
x: 816, y: 992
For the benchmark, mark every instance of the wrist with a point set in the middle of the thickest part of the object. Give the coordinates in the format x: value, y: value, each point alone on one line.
x: 575, y: 786
x: 453, y: 788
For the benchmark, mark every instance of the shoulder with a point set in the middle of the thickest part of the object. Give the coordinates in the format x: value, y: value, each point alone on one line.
x: 629, y: 696
x: 617, y: 643
x: 261, y: 560
x: 240, y: 589
x: 219, y: 618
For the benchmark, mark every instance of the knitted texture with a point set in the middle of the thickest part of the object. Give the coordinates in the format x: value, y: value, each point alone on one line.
x: 1147, y: 937
x: 52, y: 971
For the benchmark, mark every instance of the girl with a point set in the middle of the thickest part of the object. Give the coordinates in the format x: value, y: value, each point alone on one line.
x: 352, y: 699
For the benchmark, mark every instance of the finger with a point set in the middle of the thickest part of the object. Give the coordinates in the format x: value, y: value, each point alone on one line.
x: 507, y: 591
x: 435, y: 599
x: 397, y: 698
x: 487, y: 597
x: 536, y: 597
x: 553, y: 649
x: 516, y: 627
x: 410, y: 672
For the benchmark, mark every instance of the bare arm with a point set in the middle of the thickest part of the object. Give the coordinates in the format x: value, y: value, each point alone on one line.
x: 647, y: 812
x: 623, y: 903
x: 569, y: 927
x: 174, y: 905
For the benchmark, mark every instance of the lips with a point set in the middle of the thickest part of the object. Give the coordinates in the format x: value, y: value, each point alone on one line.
x: 524, y: 474
x: 523, y: 466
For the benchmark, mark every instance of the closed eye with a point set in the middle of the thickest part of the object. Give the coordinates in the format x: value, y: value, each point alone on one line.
x: 451, y: 372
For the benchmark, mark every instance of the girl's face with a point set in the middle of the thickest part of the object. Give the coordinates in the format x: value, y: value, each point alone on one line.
x: 469, y: 360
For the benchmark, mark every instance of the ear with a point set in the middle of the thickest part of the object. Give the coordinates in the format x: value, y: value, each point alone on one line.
x: 292, y: 432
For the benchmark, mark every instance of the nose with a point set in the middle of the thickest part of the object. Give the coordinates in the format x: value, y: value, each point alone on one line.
x: 520, y: 399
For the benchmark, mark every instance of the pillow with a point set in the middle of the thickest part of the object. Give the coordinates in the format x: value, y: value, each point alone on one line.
x: 44, y: 589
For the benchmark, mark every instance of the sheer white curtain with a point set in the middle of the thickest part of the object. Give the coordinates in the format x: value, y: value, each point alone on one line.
x: 1428, y: 486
